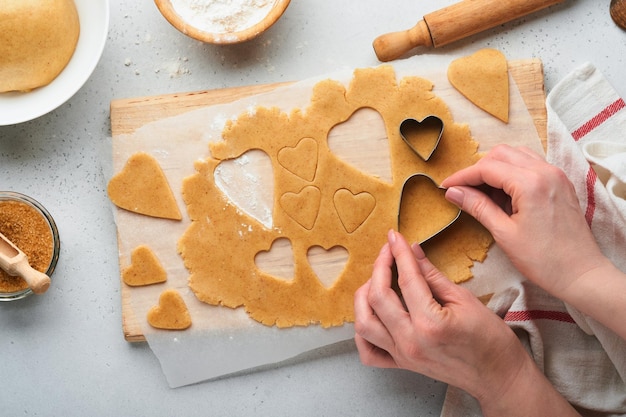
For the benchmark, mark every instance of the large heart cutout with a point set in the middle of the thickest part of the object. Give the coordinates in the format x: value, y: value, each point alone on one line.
x: 300, y: 160
x: 353, y: 209
x: 278, y: 261
x: 424, y: 210
x: 364, y: 131
x: 483, y: 78
x: 328, y: 265
x: 171, y: 313
x: 144, y: 268
x: 303, y: 207
x: 248, y: 182
x: 141, y: 187
x: 422, y: 136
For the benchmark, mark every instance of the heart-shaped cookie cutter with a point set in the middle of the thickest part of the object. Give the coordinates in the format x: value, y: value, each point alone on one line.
x: 409, y: 129
x: 441, y: 229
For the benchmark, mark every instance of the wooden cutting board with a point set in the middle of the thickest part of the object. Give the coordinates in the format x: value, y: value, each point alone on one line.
x: 127, y: 115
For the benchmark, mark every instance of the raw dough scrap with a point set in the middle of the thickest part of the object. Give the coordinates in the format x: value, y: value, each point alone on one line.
x: 171, y: 313
x: 141, y: 187
x: 144, y: 268
x: 37, y: 40
x: 220, y: 245
x: 483, y: 79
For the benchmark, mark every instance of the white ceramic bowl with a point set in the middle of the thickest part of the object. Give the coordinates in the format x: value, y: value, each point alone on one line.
x: 16, y: 107
x: 176, y: 15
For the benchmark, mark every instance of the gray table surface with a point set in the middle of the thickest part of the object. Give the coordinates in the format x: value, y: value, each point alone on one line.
x: 64, y: 354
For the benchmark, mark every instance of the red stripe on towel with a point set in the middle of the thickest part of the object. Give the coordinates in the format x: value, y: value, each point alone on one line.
x: 531, y: 315
x: 592, y: 176
x: 598, y: 119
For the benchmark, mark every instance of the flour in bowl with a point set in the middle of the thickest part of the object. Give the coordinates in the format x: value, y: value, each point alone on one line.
x: 222, y: 16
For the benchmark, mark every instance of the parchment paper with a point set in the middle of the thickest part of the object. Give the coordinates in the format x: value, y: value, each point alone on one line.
x: 226, y: 341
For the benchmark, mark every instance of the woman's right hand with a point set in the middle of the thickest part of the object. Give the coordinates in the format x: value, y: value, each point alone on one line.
x: 531, y: 209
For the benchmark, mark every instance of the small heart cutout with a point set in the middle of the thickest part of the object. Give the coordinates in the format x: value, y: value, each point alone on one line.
x: 353, y: 209
x: 141, y: 187
x: 300, y: 160
x: 365, y: 132
x: 303, y: 207
x: 422, y: 136
x: 424, y: 210
x: 144, y: 269
x: 278, y: 261
x: 328, y: 264
x: 248, y: 182
x: 171, y: 313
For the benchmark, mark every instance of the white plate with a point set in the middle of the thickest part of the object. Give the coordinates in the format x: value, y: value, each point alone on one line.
x: 94, y: 27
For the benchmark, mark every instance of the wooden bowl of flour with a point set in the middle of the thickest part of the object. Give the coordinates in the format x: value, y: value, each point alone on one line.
x: 222, y: 21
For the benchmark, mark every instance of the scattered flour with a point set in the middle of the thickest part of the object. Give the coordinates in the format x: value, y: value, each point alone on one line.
x: 222, y: 16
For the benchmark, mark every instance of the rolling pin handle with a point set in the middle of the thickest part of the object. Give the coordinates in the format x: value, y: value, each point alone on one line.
x: 393, y: 45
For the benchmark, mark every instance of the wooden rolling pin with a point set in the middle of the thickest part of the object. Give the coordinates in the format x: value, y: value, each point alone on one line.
x: 455, y: 22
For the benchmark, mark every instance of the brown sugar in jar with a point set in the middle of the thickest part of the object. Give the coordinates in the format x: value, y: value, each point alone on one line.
x: 31, y: 228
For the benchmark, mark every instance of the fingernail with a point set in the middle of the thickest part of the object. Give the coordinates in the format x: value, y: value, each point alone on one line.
x: 391, y: 236
x: 418, y: 251
x: 455, y: 196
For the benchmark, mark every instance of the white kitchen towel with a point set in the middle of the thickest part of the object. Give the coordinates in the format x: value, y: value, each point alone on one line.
x: 584, y: 360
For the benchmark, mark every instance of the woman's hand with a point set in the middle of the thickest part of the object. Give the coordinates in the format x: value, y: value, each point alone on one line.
x: 441, y: 330
x: 532, y: 211
x: 444, y: 332
x: 542, y: 229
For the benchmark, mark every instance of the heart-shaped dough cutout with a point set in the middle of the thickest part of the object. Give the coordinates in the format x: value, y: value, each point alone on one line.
x: 483, y: 78
x: 171, y: 313
x: 422, y: 136
x: 424, y: 210
x: 353, y: 209
x: 366, y: 132
x: 248, y: 182
x: 328, y: 265
x: 144, y: 268
x: 141, y: 187
x: 303, y: 207
x: 278, y: 261
x: 300, y: 160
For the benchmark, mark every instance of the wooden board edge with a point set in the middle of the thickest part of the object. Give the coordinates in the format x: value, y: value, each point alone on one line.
x: 129, y: 114
x: 527, y: 73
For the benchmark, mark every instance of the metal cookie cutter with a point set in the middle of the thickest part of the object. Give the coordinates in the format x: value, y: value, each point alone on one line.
x: 422, y: 136
x: 415, y: 219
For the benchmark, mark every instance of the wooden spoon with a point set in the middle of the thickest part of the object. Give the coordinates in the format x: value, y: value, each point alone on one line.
x: 618, y: 12
x: 15, y: 263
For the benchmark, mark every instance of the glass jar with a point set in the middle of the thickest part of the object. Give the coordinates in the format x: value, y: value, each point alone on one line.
x: 33, y: 208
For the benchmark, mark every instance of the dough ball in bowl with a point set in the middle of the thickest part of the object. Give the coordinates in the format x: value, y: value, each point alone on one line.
x: 37, y: 40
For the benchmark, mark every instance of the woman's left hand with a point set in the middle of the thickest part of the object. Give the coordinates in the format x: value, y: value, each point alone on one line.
x: 441, y: 330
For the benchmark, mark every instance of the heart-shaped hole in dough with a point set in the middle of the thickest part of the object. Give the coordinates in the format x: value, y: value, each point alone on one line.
x: 422, y: 136
x: 424, y: 210
x: 248, y: 182
x: 328, y: 265
x: 278, y: 261
x: 366, y: 133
